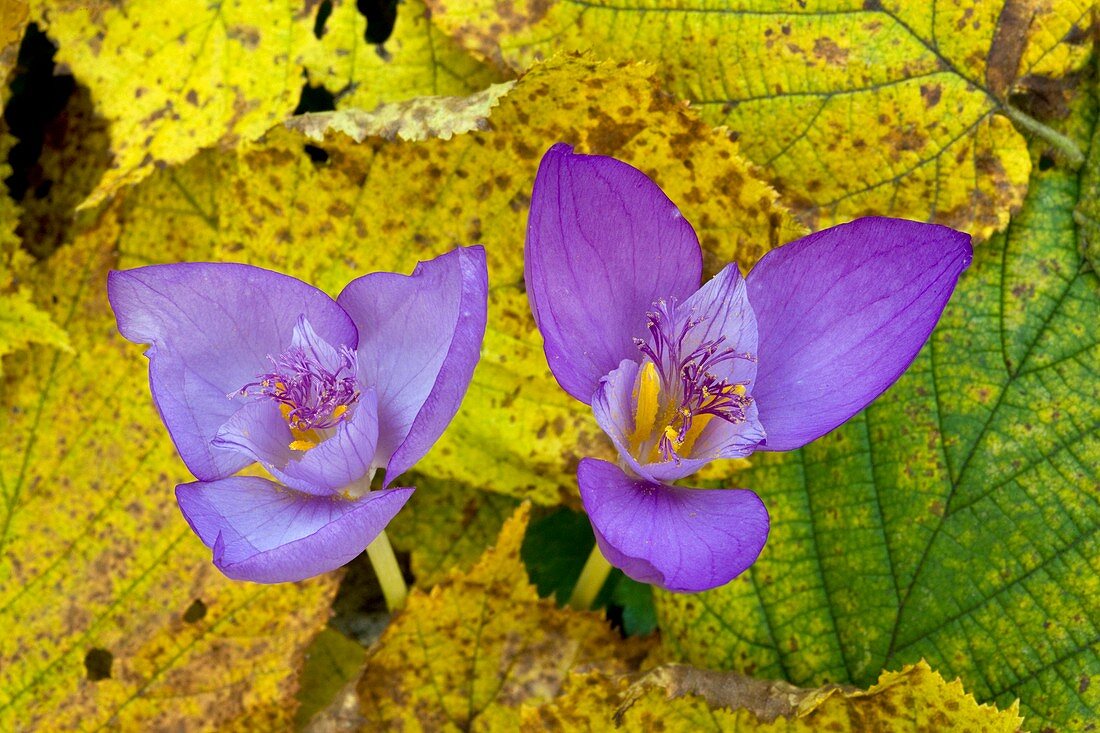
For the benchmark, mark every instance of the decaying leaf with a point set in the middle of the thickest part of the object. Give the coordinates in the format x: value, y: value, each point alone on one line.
x: 339, y: 209
x: 113, y: 615
x: 956, y: 518
x: 689, y: 700
x: 174, y: 78
x: 855, y: 107
x: 421, y: 118
x: 468, y: 654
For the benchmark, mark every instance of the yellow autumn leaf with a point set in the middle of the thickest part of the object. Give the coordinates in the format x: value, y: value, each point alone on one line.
x: 174, y: 78
x: 341, y: 208
x: 13, y: 21
x: 446, y: 525
x: 916, y: 698
x: 855, y: 107
x: 469, y: 653
x: 113, y: 615
x: 416, y: 60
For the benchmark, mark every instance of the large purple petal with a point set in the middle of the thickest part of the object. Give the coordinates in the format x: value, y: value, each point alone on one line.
x: 264, y: 532
x: 685, y: 540
x: 603, y: 243
x: 419, y: 341
x: 211, y: 328
x: 841, y: 314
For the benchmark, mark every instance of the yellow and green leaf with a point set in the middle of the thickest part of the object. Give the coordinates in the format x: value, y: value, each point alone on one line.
x: 853, y: 107
x: 956, y: 518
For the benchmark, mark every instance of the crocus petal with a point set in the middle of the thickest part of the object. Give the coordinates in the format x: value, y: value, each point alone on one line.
x: 259, y: 432
x: 339, y: 460
x: 680, y: 539
x: 264, y: 532
x: 721, y: 308
x: 841, y: 314
x: 211, y: 328
x: 603, y: 244
x: 419, y: 341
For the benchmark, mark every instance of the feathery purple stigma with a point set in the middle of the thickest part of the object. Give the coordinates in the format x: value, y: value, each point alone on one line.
x: 688, y: 380
x: 311, y: 396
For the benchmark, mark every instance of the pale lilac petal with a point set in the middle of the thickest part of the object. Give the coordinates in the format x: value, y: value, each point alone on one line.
x: 722, y: 310
x: 419, y: 341
x: 211, y: 328
x: 267, y: 533
x: 722, y: 439
x: 259, y: 432
x: 340, y: 460
x: 681, y: 539
x: 603, y: 244
x: 841, y: 314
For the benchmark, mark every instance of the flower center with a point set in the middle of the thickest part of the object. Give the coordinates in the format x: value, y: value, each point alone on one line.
x: 313, y: 396
x: 677, y: 394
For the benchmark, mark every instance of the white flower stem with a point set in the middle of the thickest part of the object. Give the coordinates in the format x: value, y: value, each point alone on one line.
x: 593, y: 576
x: 384, y: 562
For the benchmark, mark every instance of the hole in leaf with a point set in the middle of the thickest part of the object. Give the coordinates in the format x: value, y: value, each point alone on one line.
x: 1046, y: 162
x: 315, y: 99
x: 380, y: 15
x: 98, y: 664
x: 323, y: 13
x: 195, y: 612
x: 37, y: 97
x: 316, y: 154
x: 61, y: 146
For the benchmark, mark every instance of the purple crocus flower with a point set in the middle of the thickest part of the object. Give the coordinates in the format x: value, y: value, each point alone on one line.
x: 679, y: 375
x: 248, y: 365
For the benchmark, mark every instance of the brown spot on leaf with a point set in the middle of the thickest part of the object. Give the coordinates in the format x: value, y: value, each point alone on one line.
x: 827, y: 49
x: 1009, y: 41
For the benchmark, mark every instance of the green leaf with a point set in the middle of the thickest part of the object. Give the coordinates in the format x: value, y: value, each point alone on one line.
x: 332, y: 660
x: 956, y: 518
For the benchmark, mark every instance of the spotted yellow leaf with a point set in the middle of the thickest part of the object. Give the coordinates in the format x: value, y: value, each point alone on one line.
x: 854, y: 107
x: 417, y: 60
x: 466, y: 655
x: 113, y: 616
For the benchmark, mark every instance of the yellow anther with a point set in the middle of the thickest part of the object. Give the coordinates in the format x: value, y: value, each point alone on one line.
x: 302, y: 445
x: 698, y: 424
x: 647, y: 393
x: 339, y: 411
